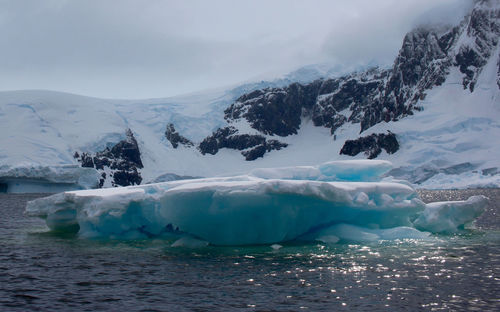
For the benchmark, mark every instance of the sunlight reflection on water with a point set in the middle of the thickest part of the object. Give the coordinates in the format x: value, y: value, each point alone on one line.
x: 43, y: 271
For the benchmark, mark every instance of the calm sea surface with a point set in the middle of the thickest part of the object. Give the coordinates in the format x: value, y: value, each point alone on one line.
x: 40, y: 271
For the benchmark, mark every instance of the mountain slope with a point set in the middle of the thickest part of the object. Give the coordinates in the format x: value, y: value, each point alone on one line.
x: 440, y: 102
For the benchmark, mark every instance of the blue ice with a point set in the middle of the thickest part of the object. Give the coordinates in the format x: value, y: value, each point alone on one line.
x: 268, y: 206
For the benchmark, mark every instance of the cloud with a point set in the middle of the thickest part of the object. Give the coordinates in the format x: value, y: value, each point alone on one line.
x: 372, y: 34
x: 136, y: 49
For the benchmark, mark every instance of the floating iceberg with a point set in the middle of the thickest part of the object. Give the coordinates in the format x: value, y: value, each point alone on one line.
x: 339, y: 170
x: 446, y: 217
x: 259, y: 209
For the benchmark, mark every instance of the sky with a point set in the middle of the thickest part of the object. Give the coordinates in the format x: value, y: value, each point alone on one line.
x: 158, y: 48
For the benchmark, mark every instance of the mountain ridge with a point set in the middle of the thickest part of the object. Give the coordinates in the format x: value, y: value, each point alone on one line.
x: 446, y: 80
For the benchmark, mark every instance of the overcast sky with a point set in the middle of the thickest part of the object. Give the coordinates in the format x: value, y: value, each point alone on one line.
x: 159, y: 48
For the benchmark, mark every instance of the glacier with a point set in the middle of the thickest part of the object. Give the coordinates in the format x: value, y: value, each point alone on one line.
x: 445, y: 119
x: 304, y: 203
x: 29, y: 178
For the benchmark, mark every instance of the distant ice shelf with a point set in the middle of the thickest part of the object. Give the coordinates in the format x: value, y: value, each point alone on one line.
x: 46, y: 179
x: 259, y: 208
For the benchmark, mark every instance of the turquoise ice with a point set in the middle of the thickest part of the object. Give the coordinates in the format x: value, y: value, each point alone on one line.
x: 301, y: 203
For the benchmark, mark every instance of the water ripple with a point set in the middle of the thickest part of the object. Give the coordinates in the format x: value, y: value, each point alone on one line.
x: 46, y: 272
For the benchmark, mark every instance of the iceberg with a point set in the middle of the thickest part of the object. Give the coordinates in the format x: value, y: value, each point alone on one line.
x: 447, y: 217
x: 258, y: 208
x: 339, y: 170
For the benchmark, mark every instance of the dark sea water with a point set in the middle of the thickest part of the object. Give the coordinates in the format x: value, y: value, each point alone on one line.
x: 41, y: 271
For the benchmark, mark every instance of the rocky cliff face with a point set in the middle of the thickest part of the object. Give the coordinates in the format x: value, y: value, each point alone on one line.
x: 263, y: 119
x: 478, y: 41
x: 371, y: 145
x: 120, y: 164
x: 370, y: 97
x: 251, y: 146
x: 275, y: 111
x: 175, y: 138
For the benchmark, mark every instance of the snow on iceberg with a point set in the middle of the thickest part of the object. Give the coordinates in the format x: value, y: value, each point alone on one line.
x: 447, y: 217
x: 247, y: 209
x: 340, y: 170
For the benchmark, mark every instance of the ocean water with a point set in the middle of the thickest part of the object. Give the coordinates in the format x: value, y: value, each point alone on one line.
x: 41, y: 271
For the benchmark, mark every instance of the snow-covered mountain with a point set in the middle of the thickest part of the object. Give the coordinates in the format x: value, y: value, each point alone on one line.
x: 434, y: 114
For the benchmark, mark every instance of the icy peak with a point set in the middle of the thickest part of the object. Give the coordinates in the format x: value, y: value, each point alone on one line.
x: 487, y: 4
x: 438, y: 102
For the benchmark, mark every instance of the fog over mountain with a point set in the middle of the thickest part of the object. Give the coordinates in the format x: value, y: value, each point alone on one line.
x: 433, y: 112
x: 144, y: 49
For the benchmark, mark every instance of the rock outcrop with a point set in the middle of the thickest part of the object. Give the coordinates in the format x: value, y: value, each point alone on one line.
x: 252, y: 146
x: 120, y: 164
x: 371, y: 145
x: 366, y: 98
x: 175, y: 138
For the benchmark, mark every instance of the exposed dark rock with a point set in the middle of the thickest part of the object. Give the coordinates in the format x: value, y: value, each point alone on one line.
x: 275, y: 111
x: 86, y: 160
x: 260, y: 150
x: 125, y: 178
x: 243, y: 141
x: 274, y: 145
x: 353, y: 93
x: 254, y: 153
x: 175, y: 138
x: 101, y: 160
x: 102, y: 179
x: 228, y: 138
x: 498, y: 72
x: 483, y: 29
x: 371, y: 145
x: 377, y: 95
x: 367, y: 97
x: 128, y: 150
x: 123, y: 160
x: 389, y: 142
x: 212, y: 144
x: 447, y: 41
x: 467, y: 59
